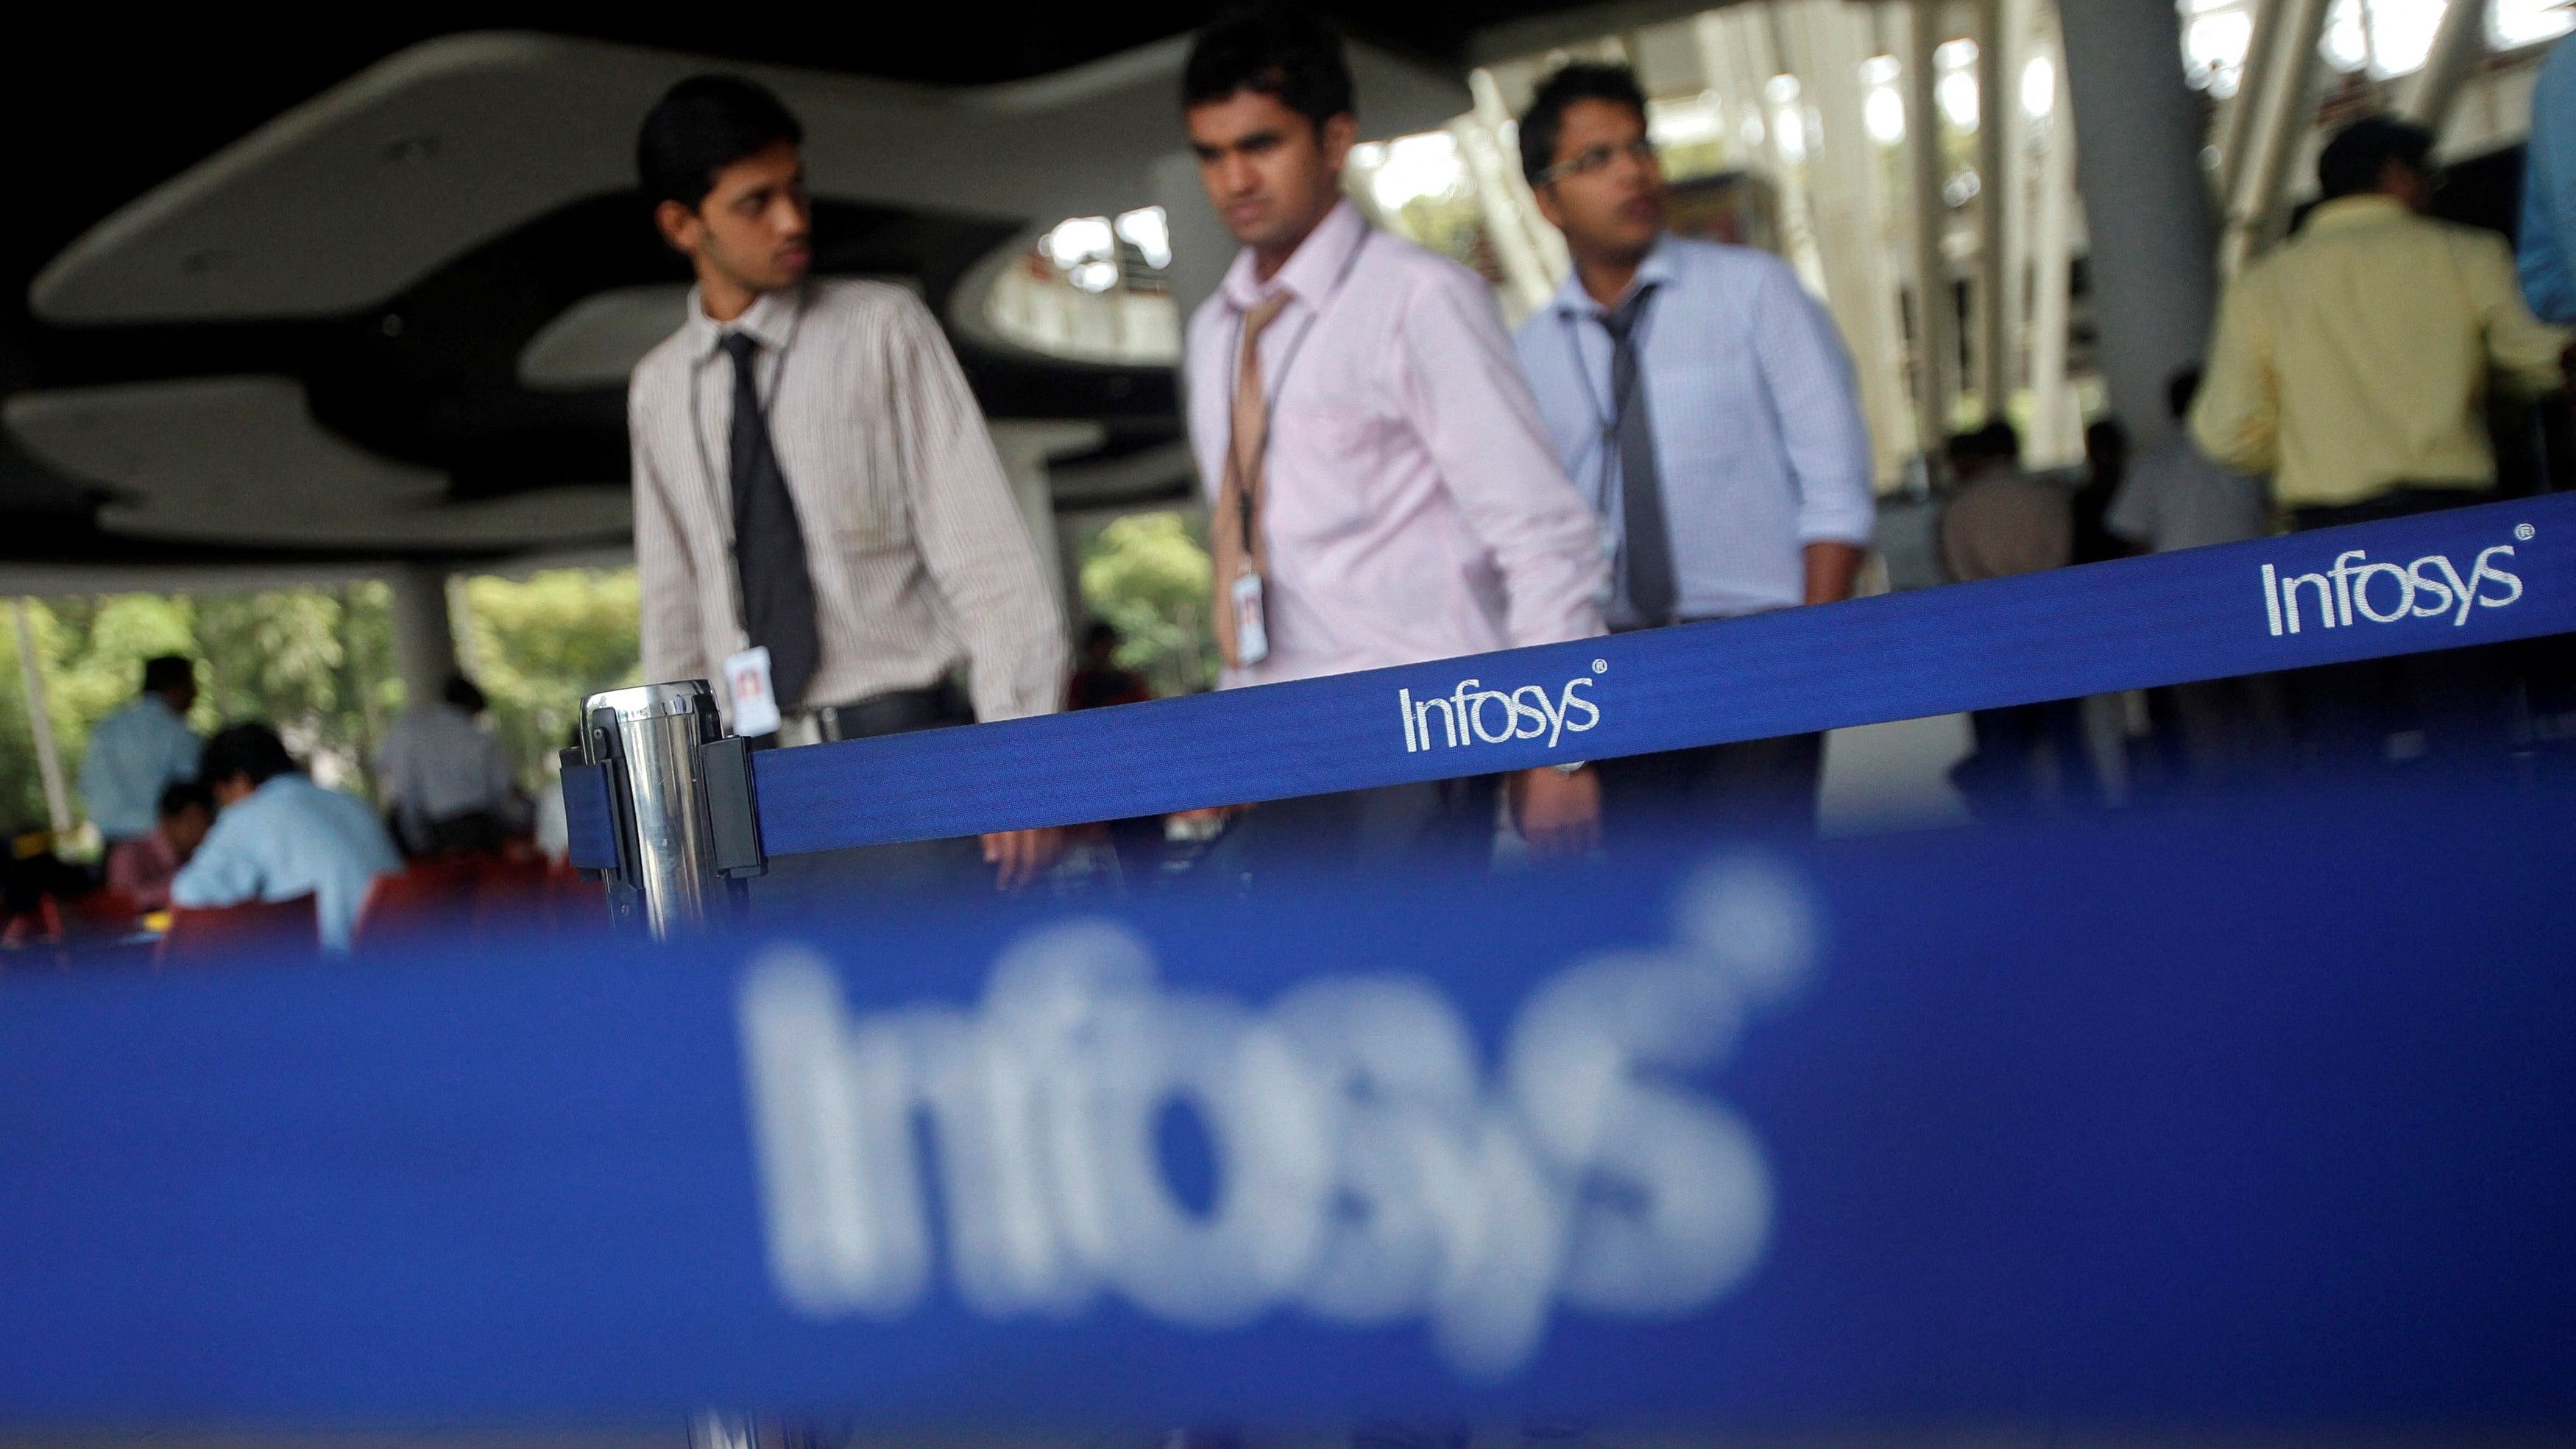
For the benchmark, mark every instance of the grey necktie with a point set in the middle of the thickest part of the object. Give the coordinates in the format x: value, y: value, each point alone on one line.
x: 768, y: 541
x: 1646, y: 556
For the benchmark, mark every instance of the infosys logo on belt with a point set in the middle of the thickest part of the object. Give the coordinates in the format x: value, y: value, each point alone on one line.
x: 1471, y: 713
x: 2384, y: 593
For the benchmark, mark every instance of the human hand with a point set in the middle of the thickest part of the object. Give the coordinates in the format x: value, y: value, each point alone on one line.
x: 1557, y: 814
x: 1019, y: 857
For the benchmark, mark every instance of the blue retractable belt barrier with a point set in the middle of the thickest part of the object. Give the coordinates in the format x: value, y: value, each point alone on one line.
x: 2467, y: 576
x: 2244, y: 1122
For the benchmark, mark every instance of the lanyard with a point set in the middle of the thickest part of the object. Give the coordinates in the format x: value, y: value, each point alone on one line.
x: 1278, y: 387
x: 707, y: 460
x: 1607, y: 413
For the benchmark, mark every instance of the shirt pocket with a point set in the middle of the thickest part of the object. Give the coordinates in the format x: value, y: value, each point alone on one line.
x: 860, y: 507
x: 1705, y: 412
x: 1339, y: 444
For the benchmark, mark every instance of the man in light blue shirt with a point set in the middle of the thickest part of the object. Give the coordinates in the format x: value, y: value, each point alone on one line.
x: 281, y: 836
x: 1704, y: 404
x: 2549, y: 191
x: 140, y: 751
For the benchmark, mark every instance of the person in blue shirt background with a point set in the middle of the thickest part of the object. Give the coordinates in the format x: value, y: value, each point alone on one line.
x: 280, y: 836
x: 2549, y: 191
x: 1704, y: 404
x: 141, y: 750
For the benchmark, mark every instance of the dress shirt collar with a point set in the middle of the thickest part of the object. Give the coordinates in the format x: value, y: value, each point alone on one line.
x: 771, y: 319
x: 2359, y: 210
x: 1658, y: 269
x: 1312, y: 271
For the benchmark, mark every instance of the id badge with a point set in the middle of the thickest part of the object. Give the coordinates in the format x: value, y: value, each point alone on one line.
x: 1251, y: 630
x: 755, y: 704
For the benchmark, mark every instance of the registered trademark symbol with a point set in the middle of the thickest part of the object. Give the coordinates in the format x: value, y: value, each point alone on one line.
x: 2524, y: 531
x: 1602, y: 666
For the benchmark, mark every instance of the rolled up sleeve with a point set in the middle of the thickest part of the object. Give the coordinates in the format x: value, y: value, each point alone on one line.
x: 2236, y: 419
x: 1807, y: 377
x: 1482, y: 428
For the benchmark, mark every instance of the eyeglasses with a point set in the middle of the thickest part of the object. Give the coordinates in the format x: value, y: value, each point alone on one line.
x: 1585, y: 163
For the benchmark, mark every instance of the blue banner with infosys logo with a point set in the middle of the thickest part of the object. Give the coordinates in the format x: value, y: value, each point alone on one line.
x: 2250, y: 1120
x: 2468, y: 576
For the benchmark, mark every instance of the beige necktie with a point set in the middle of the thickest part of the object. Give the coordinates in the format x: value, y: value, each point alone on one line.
x: 1234, y: 530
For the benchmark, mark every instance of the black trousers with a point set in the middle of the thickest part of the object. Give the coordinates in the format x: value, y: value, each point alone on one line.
x: 1751, y: 787
x: 2462, y: 702
x: 798, y: 885
x: 1439, y: 828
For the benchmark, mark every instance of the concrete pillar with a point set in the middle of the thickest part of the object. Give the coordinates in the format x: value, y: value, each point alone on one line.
x: 1936, y: 338
x: 2138, y: 141
x: 1026, y: 448
x: 1201, y: 246
x: 2458, y: 45
x: 1828, y: 41
x: 2056, y: 432
x: 2284, y: 109
x: 424, y: 636
x: 1996, y: 102
x: 40, y: 724
x: 2236, y: 114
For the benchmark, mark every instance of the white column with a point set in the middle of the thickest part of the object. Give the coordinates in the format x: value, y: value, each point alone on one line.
x: 1936, y: 345
x: 2235, y: 124
x: 2138, y: 141
x: 2458, y: 44
x: 2284, y: 109
x: 40, y: 724
x: 1828, y: 41
x: 2020, y: 34
x: 1994, y: 203
x: 2056, y: 431
x: 1026, y: 448
x: 424, y: 636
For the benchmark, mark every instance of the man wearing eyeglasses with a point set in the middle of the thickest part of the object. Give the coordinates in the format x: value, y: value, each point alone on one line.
x: 1703, y: 403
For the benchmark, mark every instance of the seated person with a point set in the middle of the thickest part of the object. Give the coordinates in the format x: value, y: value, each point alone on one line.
x: 141, y: 869
x: 280, y: 836
x: 447, y: 780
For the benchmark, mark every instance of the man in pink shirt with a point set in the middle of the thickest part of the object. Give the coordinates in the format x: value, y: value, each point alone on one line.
x: 142, y: 868
x: 1382, y: 489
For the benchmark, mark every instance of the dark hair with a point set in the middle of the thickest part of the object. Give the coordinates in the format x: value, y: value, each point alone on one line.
x: 1995, y: 440
x: 1583, y: 80
x: 187, y: 795
x: 1276, y: 50
x: 168, y: 672
x: 251, y: 749
x: 2181, y: 388
x: 701, y: 126
x: 1099, y: 633
x: 2358, y: 156
x: 460, y: 692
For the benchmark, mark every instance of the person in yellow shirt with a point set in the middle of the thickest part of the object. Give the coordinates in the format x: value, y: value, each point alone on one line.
x: 2352, y: 366
x: 2352, y: 363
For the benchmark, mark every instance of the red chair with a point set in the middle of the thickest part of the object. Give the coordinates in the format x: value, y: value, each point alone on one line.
x: 262, y: 930
x: 425, y: 901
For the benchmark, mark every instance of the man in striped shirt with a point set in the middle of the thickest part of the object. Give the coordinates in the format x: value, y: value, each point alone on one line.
x: 816, y: 498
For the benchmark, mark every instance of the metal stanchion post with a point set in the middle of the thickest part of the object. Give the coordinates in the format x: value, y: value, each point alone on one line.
x: 679, y: 788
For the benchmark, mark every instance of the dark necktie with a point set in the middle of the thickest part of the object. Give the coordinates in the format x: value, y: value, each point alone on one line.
x: 1646, y: 555
x: 768, y: 542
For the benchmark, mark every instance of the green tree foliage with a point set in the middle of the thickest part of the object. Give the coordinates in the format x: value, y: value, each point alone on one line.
x: 317, y: 663
x: 1148, y: 575
x: 538, y: 645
